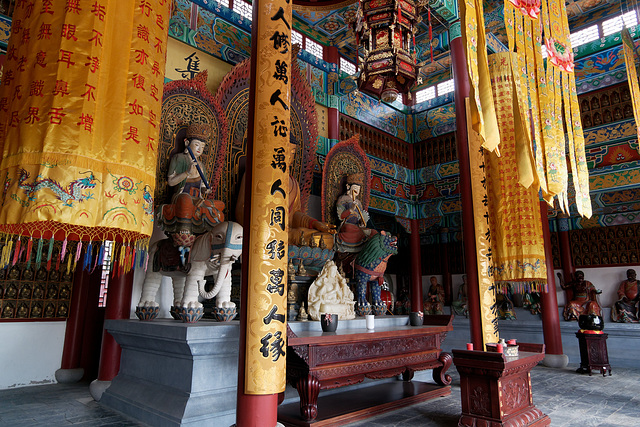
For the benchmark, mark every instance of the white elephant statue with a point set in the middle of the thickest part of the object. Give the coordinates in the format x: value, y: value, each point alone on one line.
x: 212, y: 254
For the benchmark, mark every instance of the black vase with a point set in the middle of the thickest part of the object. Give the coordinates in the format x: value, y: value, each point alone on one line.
x: 329, y: 322
x: 591, y: 322
x: 415, y: 318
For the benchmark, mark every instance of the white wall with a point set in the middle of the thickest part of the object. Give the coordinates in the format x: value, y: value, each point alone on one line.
x: 31, y: 352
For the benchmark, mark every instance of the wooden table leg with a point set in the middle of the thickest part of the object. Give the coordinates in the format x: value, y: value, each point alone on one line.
x: 439, y: 374
x: 308, y: 389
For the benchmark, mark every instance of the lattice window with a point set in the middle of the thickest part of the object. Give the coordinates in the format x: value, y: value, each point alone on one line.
x: 445, y: 87
x: 243, y: 9
x: 296, y: 37
x: 224, y: 3
x: 314, y: 48
x: 587, y: 35
x: 614, y: 25
x: 347, y: 66
x: 425, y: 94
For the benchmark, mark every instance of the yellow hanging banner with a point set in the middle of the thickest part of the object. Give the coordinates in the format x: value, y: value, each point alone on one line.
x: 488, y: 309
x: 266, y: 337
x: 516, y: 227
x: 628, y: 46
x: 80, y: 105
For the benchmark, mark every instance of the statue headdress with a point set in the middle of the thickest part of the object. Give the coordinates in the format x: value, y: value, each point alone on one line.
x: 355, y: 178
x: 200, y: 131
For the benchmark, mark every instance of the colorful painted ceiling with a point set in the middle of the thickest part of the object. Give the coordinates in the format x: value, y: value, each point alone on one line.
x: 328, y: 23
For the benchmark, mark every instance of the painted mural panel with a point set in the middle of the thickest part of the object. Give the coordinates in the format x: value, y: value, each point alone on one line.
x: 436, y: 121
x: 599, y: 63
x: 610, y: 133
x: 375, y: 113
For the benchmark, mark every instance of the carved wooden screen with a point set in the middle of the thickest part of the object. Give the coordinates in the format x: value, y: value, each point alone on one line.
x: 374, y: 142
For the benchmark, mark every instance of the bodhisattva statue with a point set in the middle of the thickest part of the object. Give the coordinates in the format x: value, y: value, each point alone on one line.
x: 352, y: 232
x: 581, y: 297
x: 625, y: 310
x: 434, y: 303
x: 191, y: 211
x: 459, y: 306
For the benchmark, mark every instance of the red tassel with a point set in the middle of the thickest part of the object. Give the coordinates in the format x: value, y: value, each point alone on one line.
x: 16, y: 253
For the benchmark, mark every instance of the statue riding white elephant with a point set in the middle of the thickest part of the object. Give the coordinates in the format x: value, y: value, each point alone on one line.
x: 212, y: 254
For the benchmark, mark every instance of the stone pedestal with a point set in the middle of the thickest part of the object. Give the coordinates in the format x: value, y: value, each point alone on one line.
x: 175, y: 374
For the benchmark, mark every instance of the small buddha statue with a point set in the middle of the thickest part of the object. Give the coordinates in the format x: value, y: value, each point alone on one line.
x: 302, y: 314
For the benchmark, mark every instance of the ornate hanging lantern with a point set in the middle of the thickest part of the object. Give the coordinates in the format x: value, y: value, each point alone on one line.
x: 385, y: 35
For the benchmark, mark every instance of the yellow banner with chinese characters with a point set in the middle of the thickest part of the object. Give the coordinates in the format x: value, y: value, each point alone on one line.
x: 488, y: 309
x: 80, y: 105
x: 266, y: 337
x: 516, y: 227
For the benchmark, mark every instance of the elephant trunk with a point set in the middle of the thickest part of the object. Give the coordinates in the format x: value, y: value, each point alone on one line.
x: 223, y: 273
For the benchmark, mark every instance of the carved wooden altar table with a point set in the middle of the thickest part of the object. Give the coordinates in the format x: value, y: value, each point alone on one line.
x: 496, y: 390
x: 318, y: 361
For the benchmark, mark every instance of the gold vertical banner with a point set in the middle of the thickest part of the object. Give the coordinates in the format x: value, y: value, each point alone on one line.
x: 79, y: 116
x: 488, y: 309
x: 266, y: 338
x: 629, y: 47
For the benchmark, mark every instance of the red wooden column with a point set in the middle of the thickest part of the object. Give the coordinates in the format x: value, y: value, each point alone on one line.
x: 252, y: 410
x: 549, y: 304
x: 446, y: 270
x: 461, y: 92
x: 414, y: 247
x: 71, y: 370
x: 118, y: 307
x: 565, y: 247
x: 333, y: 113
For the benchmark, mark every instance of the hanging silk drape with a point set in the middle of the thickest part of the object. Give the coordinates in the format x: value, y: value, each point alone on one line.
x: 482, y: 113
x: 516, y: 227
x: 80, y: 104
x: 555, y: 114
x: 628, y: 46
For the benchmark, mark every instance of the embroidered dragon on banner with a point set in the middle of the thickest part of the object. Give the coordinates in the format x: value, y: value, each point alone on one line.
x: 72, y: 193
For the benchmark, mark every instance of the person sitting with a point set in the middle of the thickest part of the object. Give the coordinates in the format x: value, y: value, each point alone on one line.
x: 434, y: 303
x: 459, y: 306
x: 581, y: 297
x: 625, y: 310
x: 191, y: 211
x: 352, y: 232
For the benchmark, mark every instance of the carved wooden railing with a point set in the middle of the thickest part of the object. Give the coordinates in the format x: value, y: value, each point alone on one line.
x: 375, y: 142
x: 7, y: 7
x: 433, y: 151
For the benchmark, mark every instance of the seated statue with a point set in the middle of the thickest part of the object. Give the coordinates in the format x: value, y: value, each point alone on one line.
x: 191, y: 212
x: 505, y: 306
x: 330, y: 293
x: 459, y: 306
x: 352, y: 232
x: 625, y: 310
x: 581, y: 297
x: 434, y: 303
x: 304, y: 230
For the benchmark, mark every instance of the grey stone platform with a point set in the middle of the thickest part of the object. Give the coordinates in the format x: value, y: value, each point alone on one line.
x: 175, y: 374
x: 623, y: 342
